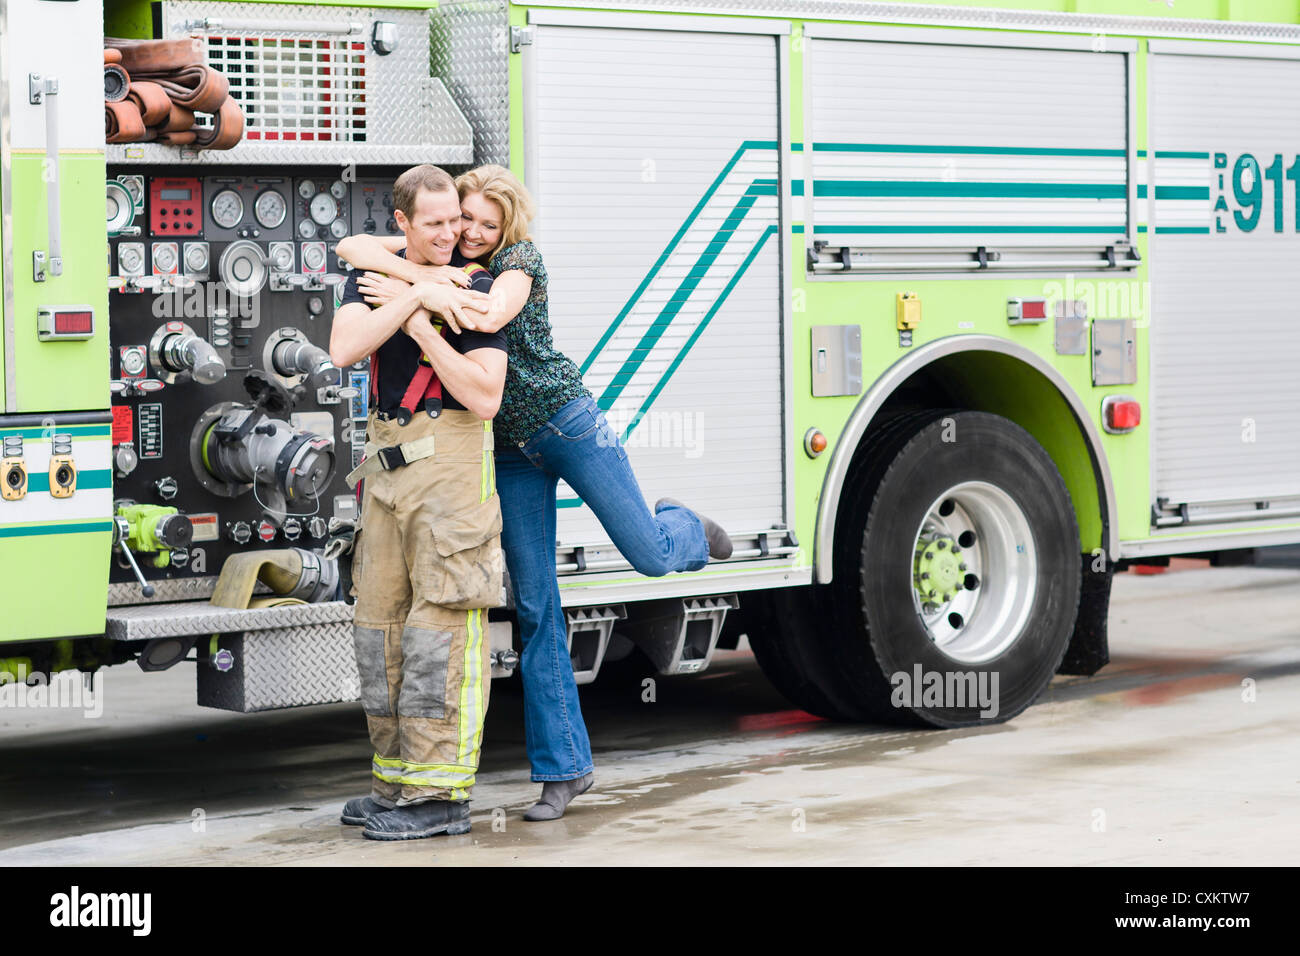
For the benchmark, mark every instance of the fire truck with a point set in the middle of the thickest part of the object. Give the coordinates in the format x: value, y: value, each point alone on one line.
x: 945, y: 312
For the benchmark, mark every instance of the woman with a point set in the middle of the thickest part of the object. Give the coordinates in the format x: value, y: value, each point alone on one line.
x: 549, y: 427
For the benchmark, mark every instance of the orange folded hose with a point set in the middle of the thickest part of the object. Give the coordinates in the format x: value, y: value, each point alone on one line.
x: 198, y: 88
x: 227, y: 128
x: 157, y: 56
x: 123, y: 123
x: 180, y: 138
x: 112, y: 56
x: 154, y: 103
x: 177, y: 120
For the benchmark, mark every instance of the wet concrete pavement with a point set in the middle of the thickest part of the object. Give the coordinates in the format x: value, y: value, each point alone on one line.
x: 1164, y: 757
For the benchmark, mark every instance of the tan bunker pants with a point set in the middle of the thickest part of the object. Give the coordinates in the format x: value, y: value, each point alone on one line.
x: 428, y: 565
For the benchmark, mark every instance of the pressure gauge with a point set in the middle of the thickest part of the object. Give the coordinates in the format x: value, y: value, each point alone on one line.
x: 130, y: 258
x: 270, y: 209
x: 164, y: 257
x: 338, y: 190
x: 196, y: 257
x: 227, y: 209
x: 307, y: 229
x: 338, y: 229
x: 135, y: 186
x: 313, y: 257
x: 282, y: 256
x: 132, y: 362
x: 306, y: 189
x: 323, y: 209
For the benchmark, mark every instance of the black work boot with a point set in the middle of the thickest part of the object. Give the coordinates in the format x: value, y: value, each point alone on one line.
x: 356, y: 811
x: 556, y: 795
x: 719, y: 540
x: 419, y: 821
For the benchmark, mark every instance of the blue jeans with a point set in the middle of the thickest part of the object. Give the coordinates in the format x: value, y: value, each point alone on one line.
x: 578, y: 445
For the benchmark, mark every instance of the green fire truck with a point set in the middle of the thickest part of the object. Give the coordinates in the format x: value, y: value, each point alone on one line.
x: 945, y: 312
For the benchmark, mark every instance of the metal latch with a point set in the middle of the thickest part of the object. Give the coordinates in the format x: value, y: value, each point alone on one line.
x: 520, y: 37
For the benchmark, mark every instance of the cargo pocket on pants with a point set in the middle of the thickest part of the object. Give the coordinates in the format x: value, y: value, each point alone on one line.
x: 467, y: 551
x: 424, y: 673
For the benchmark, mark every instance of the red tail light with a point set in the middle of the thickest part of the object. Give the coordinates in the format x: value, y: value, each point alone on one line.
x: 1120, y: 413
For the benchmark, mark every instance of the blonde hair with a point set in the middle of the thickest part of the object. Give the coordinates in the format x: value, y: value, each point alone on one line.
x: 500, y: 185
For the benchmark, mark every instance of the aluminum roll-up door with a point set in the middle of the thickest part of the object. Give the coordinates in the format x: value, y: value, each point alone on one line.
x: 945, y: 146
x: 653, y: 157
x: 1225, y: 340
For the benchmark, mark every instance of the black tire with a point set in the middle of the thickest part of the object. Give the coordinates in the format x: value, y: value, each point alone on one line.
x: 876, y: 632
x: 787, y: 627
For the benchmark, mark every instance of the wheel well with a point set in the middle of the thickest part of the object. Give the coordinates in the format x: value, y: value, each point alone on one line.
x: 990, y: 376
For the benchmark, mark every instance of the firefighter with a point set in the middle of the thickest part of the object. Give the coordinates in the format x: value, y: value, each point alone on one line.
x: 429, y: 560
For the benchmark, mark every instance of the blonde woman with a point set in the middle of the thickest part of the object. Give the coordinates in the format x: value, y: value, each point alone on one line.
x: 549, y: 427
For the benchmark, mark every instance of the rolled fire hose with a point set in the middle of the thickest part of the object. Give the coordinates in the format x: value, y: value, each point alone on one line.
x: 179, y: 120
x: 198, y: 88
x: 112, y: 56
x: 123, y: 123
x: 154, y: 103
x: 157, y: 56
x: 116, y: 83
x: 184, y: 137
x: 227, y: 128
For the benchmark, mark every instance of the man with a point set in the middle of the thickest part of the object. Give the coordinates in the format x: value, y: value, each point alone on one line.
x: 429, y: 558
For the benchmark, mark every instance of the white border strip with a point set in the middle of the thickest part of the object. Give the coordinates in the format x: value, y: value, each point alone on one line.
x: 641, y: 21
x: 1037, y: 41
x: 1261, y: 51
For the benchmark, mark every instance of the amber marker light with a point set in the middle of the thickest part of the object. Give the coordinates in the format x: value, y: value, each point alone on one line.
x: 814, y: 442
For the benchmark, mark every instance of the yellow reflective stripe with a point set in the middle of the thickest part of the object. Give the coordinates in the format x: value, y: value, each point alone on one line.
x: 471, y: 691
x: 444, y: 768
x: 387, y: 761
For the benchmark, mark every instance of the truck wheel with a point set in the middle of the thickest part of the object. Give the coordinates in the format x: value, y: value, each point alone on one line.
x: 967, y: 578
x: 788, y: 627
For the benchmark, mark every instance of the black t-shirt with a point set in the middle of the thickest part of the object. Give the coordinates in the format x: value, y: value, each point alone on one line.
x: 400, y: 355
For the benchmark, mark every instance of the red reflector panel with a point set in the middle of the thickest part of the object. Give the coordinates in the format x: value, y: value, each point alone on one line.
x: 1123, y: 415
x: 1034, y: 309
x: 74, y: 323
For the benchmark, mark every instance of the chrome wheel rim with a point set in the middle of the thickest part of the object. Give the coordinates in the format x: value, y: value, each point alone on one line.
x: 974, y: 571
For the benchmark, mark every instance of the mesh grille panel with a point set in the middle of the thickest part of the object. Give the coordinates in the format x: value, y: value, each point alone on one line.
x: 295, y: 88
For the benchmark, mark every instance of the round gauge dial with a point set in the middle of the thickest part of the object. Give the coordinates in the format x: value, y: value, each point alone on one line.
x: 227, y: 209
x: 134, y: 187
x: 270, y: 209
x: 324, y: 210
x: 307, y: 229
x: 196, y: 257
x: 313, y: 258
x: 338, y: 190
x: 306, y: 189
x: 164, y: 258
x: 282, y: 258
x: 129, y: 258
x: 338, y: 229
x: 133, y: 362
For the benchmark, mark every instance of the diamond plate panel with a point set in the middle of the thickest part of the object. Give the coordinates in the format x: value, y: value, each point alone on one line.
x: 861, y: 10
x: 147, y: 621
x: 470, y: 46
x: 284, y: 667
x: 315, y: 91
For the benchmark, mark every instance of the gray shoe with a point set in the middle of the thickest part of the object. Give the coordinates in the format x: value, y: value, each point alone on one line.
x: 719, y: 540
x: 356, y: 811
x: 419, y: 821
x: 556, y: 795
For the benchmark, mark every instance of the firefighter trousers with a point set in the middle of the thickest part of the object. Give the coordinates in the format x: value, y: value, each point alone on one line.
x: 428, y: 566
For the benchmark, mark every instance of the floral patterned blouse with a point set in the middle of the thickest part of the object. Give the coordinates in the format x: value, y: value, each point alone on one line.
x: 539, y: 378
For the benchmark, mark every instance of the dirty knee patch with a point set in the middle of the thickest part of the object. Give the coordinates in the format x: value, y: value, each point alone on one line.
x: 424, y: 672
x: 369, y: 643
